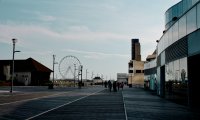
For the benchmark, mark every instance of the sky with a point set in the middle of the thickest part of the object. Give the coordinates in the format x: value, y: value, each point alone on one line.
x: 97, y: 32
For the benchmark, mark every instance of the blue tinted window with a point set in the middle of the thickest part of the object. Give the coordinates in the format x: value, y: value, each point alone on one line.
x: 198, y: 15
x: 180, y: 9
x: 193, y: 43
x: 191, y: 20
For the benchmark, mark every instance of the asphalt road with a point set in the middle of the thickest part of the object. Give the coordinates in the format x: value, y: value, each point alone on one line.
x: 91, y: 103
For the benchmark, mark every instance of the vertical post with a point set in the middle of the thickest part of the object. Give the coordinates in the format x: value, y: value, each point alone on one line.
x: 92, y: 76
x: 13, y: 63
x: 81, y: 74
x: 74, y: 74
x: 53, y: 68
x: 86, y: 75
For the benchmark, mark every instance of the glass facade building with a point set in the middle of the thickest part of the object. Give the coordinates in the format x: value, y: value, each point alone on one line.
x: 178, y: 53
x: 150, y: 81
x: 177, y: 11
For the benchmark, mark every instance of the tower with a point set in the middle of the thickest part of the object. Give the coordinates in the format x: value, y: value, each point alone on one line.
x: 135, y: 50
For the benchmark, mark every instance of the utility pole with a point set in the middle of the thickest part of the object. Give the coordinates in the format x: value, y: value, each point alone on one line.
x: 81, y: 75
x: 92, y: 75
x: 74, y: 75
x: 86, y: 74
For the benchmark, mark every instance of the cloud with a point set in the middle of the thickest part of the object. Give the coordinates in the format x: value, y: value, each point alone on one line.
x: 44, y: 17
x: 78, y: 33
x: 47, y: 18
x: 40, y: 53
x: 97, y: 55
x: 40, y: 16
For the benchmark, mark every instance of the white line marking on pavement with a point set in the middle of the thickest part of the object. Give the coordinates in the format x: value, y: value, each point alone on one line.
x: 124, y: 107
x: 61, y: 106
x: 34, y: 98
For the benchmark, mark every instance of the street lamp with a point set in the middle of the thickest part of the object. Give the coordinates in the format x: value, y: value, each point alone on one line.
x: 53, y: 67
x: 13, y: 61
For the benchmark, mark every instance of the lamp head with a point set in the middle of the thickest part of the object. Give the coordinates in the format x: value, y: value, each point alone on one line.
x: 14, y: 40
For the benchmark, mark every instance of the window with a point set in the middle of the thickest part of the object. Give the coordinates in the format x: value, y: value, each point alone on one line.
x: 138, y: 71
x: 182, y: 27
x: 177, y: 70
x: 170, y: 36
x: 175, y: 32
x: 198, y: 15
x: 191, y: 20
x: 170, y: 71
x: 130, y: 71
x: 163, y: 58
x: 165, y: 37
x: 183, y: 69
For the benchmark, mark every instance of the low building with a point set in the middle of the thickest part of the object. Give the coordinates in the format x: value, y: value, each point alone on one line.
x: 97, y: 81
x: 122, y: 77
x: 26, y: 72
x: 136, y: 73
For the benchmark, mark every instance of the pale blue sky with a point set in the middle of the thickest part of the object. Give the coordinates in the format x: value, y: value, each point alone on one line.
x: 98, y: 32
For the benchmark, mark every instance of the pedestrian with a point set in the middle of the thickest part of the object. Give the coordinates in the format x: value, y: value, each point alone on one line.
x: 118, y: 85
x: 109, y: 85
x: 122, y: 85
x: 115, y: 86
x: 105, y: 84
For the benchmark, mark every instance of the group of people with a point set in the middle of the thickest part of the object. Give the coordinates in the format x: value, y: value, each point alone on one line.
x: 115, y: 85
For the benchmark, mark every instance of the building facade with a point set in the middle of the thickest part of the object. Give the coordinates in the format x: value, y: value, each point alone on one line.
x: 97, y: 80
x: 136, y: 73
x: 135, y: 66
x: 122, y: 77
x: 135, y: 50
x: 178, y: 54
x: 150, y: 73
x: 27, y: 72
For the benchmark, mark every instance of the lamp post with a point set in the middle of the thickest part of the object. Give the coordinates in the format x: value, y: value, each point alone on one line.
x: 53, y: 67
x: 14, y: 40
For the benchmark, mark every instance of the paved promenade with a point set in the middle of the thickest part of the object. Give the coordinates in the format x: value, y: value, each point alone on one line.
x: 142, y: 105
x: 91, y: 103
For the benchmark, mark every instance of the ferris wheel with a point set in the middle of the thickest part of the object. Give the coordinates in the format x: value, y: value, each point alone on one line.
x: 69, y: 67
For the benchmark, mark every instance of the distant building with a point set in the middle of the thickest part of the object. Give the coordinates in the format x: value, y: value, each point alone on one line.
x: 26, y: 72
x: 122, y: 77
x: 97, y: 81
x: 136, y: 66
x: 135, y: 50
x: 136, y: 73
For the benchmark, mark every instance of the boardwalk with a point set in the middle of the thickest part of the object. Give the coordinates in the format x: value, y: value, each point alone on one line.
x: 91, y: 103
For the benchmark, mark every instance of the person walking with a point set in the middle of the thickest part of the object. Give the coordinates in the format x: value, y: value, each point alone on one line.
x: 122, y: 85
x: 109, y: 85
x: 118, y: 86
x: 115, y: 86
x: 105, y: 84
